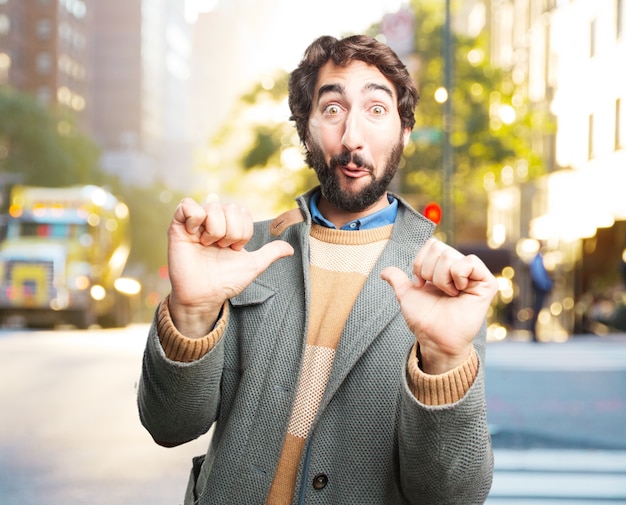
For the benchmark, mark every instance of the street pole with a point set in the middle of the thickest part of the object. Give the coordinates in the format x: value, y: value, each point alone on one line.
x: 447, y: 211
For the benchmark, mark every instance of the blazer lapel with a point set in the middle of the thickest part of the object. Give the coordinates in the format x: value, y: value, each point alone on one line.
x: 375, y: 306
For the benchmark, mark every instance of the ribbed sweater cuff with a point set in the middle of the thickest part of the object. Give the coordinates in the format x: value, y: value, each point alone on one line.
x: 445, y: 388
x: 177, y: 347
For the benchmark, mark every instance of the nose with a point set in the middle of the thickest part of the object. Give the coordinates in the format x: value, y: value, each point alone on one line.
x: 352, y: 138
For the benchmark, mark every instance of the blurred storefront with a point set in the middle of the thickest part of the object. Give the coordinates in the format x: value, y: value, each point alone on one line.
x: 580, y: 219
x: 562, y: 56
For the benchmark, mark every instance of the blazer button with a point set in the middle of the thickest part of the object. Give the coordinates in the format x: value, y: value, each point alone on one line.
x: 320, y: 481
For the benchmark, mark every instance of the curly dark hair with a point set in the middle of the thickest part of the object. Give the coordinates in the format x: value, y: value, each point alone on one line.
x: 342, y: 52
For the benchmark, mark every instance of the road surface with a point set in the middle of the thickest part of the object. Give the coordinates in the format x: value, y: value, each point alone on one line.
x: 70, y: 433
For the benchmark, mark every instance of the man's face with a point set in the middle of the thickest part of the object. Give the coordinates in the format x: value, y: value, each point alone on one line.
x: 355, y: 135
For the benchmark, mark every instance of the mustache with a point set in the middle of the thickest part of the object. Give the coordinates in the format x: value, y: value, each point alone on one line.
x: 345, y: 158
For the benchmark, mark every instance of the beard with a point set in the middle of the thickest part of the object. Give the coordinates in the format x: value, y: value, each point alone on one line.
x: 344, y: 199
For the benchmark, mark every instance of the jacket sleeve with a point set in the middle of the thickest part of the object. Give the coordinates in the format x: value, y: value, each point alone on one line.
x: 445, y: 450
x: 179, y: 389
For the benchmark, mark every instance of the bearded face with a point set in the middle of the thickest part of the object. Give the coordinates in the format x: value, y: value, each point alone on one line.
x: 338, y: 191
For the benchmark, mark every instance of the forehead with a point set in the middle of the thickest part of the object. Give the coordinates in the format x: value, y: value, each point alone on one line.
x: 357, y: 76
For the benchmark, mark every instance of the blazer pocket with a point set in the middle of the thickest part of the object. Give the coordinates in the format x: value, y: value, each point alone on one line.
x: 254, y: 294
x: 192, y: 494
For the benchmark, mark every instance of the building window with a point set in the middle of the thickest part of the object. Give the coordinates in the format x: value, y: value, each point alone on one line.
x: 618, y: 124
x: 44, y: 29
x: 43, y: 63
x: 5, y: 66
x: 77, y: 8
x: 590, y: 146
x: 5, y: 24
x: 44, y: 95
x: 592, y: 39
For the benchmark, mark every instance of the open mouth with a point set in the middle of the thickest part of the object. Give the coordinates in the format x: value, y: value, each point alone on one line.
x: 354, y: 171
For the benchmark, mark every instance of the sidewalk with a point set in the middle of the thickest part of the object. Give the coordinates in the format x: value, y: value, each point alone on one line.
x: 579, y: 353
x: 550, y: 477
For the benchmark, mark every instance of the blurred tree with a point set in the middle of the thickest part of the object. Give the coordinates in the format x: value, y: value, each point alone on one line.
x: 256, y: 156
x: 492, y: 123
x: 151, y: 209
x: 44, y: 146
x: 266, y: 143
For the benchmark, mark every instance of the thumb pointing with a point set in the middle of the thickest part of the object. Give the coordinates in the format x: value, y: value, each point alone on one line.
x: 271, y: 252
x: 397, y: 279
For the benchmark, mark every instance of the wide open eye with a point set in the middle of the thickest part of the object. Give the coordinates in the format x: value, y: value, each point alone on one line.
x: 332, y: 109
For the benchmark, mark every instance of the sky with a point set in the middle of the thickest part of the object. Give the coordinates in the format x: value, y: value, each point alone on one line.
x: 288, y: 26
x: 268, y: 35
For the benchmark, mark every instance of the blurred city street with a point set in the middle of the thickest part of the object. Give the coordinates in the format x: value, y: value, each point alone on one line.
x: 557, y: 415
x: 70, y: 432
x: 111, y: 112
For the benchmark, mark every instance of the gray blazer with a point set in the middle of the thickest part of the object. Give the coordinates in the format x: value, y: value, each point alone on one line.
x: 372, y: 442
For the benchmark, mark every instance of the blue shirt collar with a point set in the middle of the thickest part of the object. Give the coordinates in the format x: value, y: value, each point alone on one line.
x: 382, y: 217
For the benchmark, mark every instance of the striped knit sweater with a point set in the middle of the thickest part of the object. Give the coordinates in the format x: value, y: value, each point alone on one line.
x: 340, y: 264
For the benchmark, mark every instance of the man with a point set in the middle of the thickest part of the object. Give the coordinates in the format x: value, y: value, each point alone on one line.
x: 542, y: 284
x: 322, y: 387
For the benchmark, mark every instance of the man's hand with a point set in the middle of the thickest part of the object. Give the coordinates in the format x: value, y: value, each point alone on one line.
x: 445, y: 304
x: 208, y: 263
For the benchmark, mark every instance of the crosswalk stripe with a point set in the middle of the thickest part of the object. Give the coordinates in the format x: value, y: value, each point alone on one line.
x: 557, y: 357
x: 560, y: 460
x: 551, y: 477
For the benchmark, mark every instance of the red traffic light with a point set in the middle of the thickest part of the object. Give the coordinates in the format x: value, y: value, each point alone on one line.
x: 432, y: 211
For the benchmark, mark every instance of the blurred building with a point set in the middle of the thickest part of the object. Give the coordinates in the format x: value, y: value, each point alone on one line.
x: 232, y: 44
x: 141, y: 79
x: 565, y: 56
x: 45, y: 50
x: 122, y: 67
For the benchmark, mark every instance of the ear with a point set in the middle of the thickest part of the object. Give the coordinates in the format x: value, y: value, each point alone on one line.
x: 406, y: 136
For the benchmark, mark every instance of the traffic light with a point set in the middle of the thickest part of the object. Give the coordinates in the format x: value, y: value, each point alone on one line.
x: 432, y: 211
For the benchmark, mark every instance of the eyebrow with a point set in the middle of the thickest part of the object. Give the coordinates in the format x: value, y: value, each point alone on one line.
x: 373, y: 86
x: 340, y: 88
x: 330, y: 88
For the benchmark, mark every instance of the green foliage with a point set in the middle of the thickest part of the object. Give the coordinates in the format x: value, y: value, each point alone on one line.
x: 482, y: 144
x: 43, y: 146
x: 256, y: 157
x: 151, y: 210
x: 273, y: 88
x: 265, y: 145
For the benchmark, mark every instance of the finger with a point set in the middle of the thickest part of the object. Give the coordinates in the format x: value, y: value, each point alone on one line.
x: 397, y: 279
x: 248, y: 230
x: 238, y: 227
x: 269, y: 253
x: 471, y: 273
x: 427, y: 250
x: 190, y: 215
x: 214, y: 224
x: 434, y: 264
x: 442, y: 276
x: 426, y: 261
